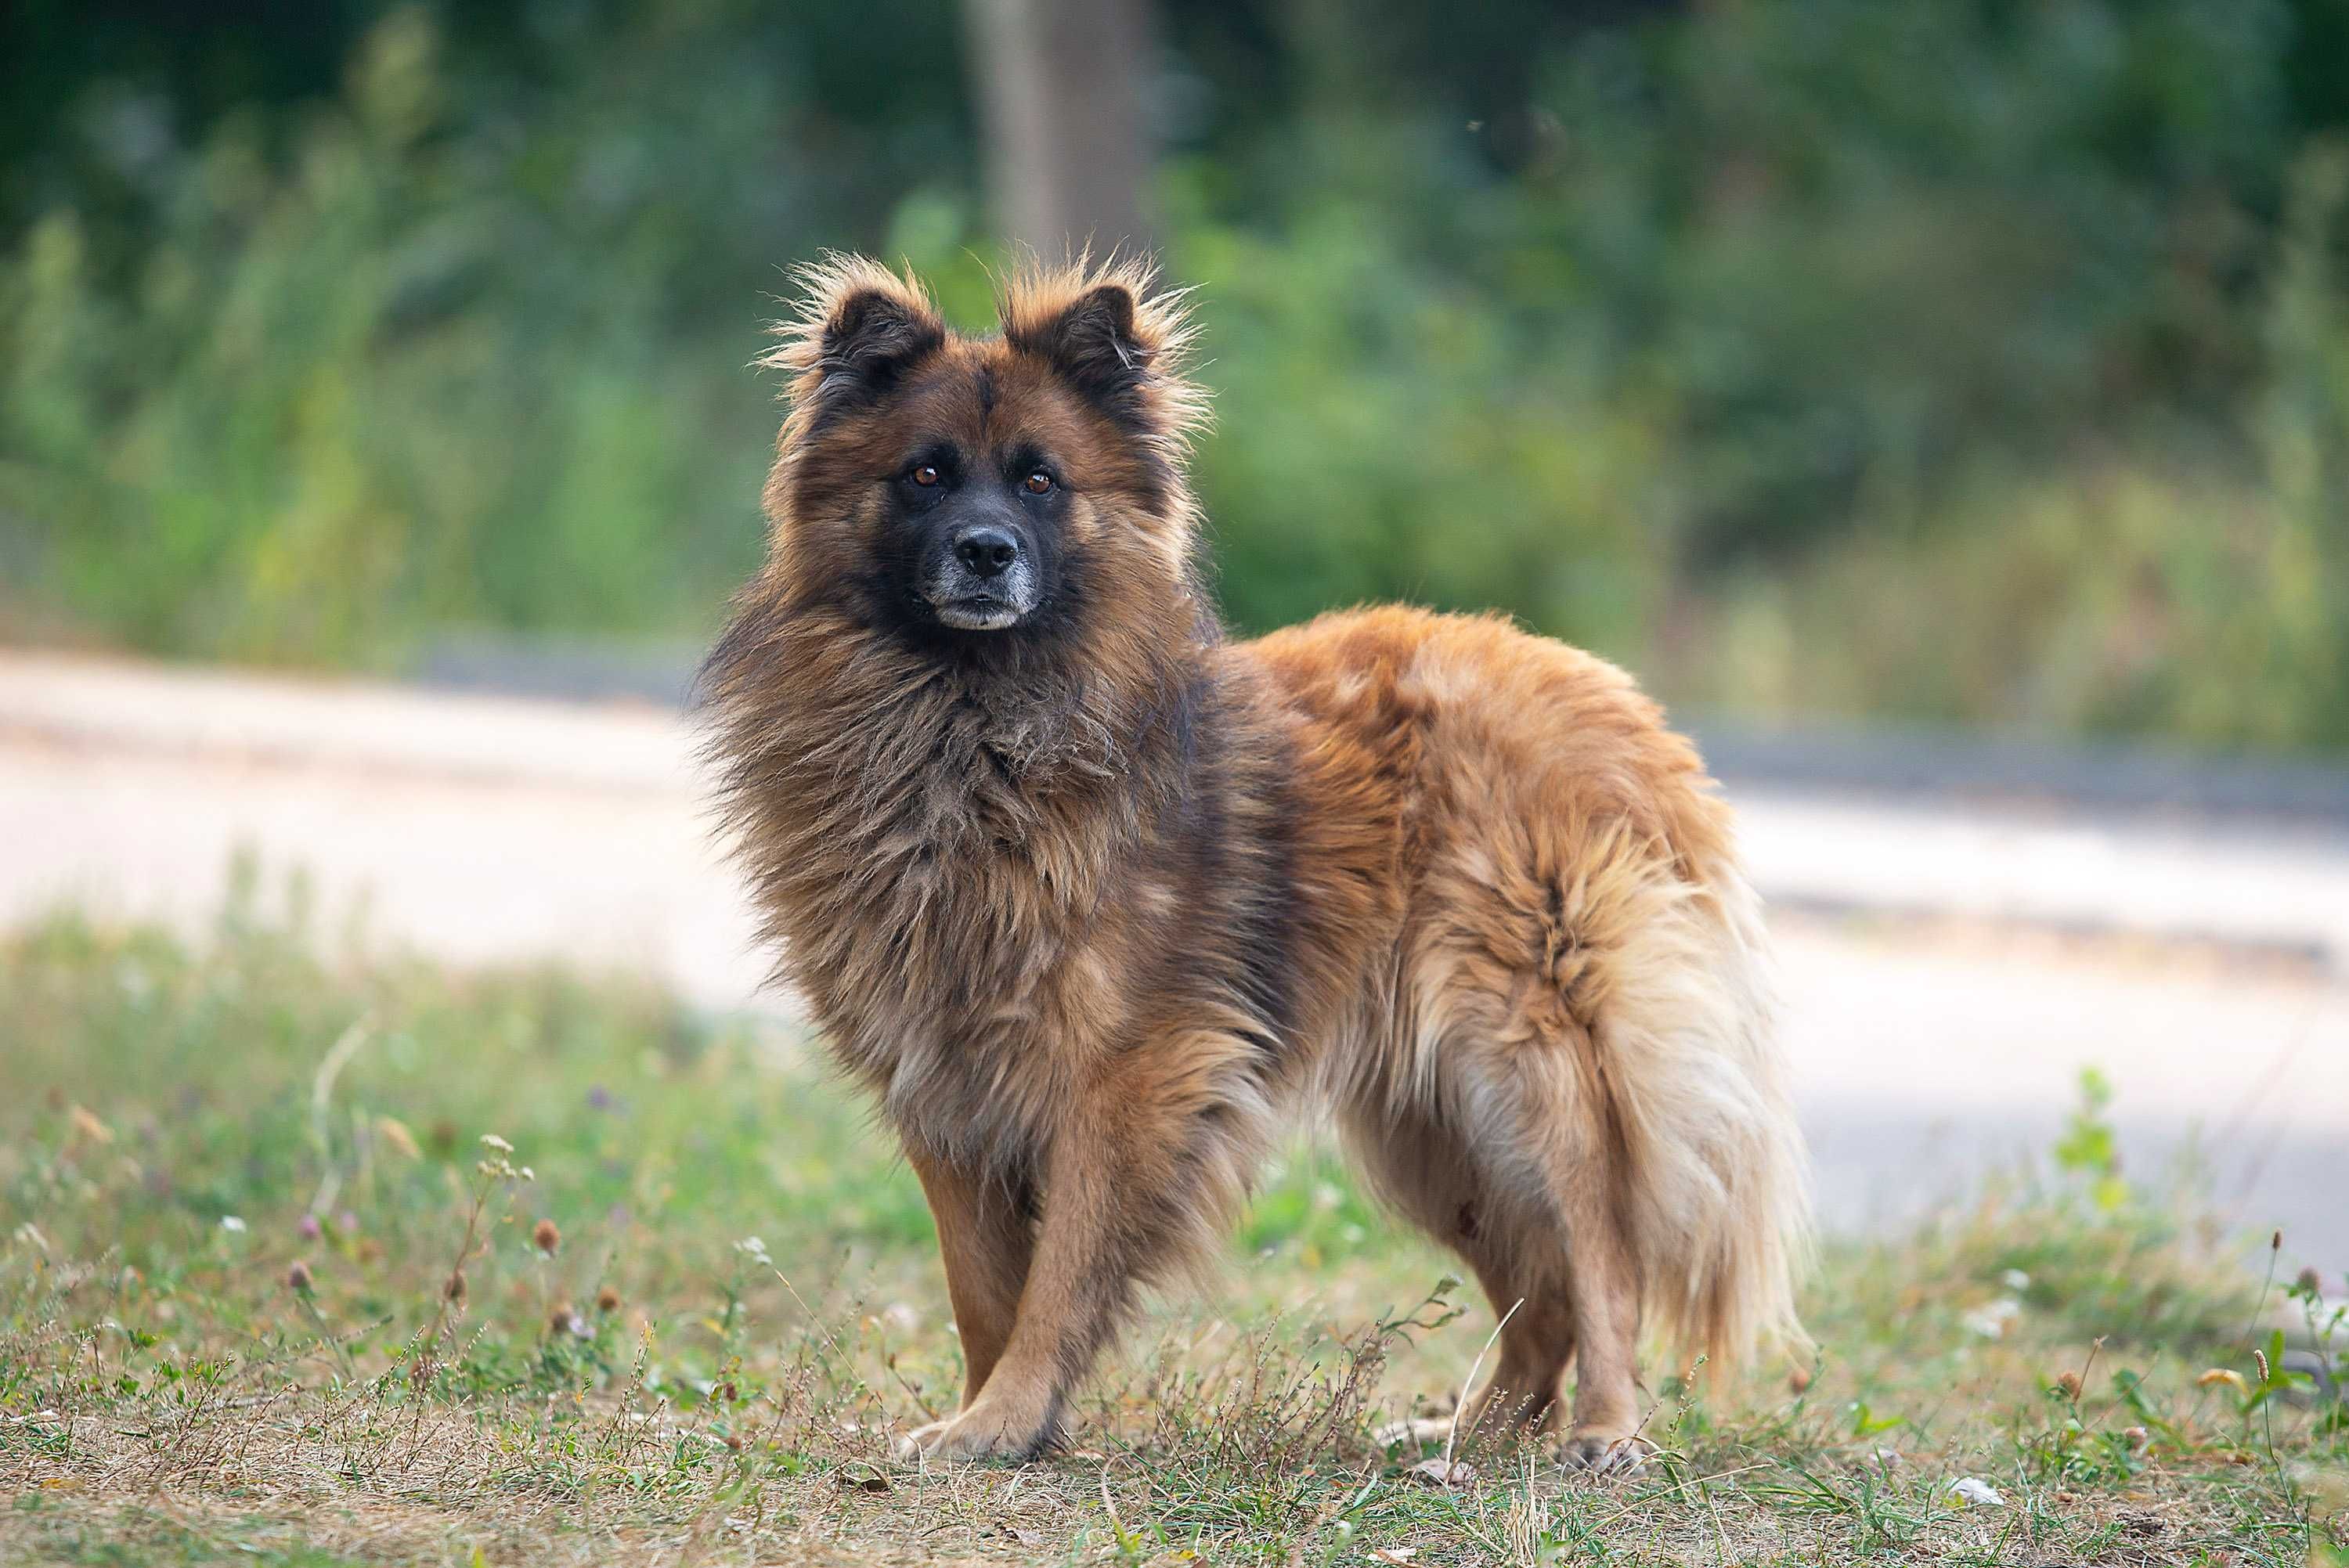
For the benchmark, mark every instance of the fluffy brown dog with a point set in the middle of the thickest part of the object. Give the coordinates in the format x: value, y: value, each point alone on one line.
x: 1088, y: 897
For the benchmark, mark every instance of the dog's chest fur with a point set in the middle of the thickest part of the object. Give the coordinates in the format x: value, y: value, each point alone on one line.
x: 966, y: 878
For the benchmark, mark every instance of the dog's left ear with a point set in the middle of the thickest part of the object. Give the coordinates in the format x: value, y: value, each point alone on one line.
x: 1094, y: 344
x: 1114, y: 337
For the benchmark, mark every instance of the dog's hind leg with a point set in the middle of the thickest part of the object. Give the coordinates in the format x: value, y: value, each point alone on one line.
x: 1427, y: 1171
x: 1537, y: 1344
x: 1555, y: 1166
x: 1603, y: 1303
x: 1605, y: 1035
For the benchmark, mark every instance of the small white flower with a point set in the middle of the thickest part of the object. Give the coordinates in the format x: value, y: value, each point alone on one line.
x: 496, y: 1145
x: 753, y: 1250
x: 1991, y: 1321
x: 231, y: 1224
x: 2017, y: 1280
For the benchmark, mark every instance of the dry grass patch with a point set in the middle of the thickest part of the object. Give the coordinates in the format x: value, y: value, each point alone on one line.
x: 266, y: 1294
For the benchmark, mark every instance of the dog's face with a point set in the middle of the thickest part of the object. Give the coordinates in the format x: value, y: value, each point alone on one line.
x: 953, y: 490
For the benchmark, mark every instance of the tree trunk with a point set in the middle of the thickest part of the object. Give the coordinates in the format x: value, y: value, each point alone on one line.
x: 1060, y: 86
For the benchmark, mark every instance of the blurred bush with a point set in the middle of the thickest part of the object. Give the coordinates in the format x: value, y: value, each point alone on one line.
x: 447, y: 349
x: 1974, y: 359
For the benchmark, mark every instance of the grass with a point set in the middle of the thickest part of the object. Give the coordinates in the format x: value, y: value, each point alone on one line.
x: 698, y: 1293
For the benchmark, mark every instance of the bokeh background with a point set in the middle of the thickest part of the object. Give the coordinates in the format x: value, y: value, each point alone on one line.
x: 1944, y: 405
x: 1984, y: 361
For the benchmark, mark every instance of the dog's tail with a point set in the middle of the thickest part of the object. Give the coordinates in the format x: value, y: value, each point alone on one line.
x: 1712, y: 1184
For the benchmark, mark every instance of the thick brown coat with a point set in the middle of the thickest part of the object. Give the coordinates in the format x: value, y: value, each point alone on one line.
x: 1089, y: 904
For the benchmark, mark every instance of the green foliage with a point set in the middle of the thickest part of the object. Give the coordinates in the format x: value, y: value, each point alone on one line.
x: 464, y: 350
x: 2089, y: 1147
x: 1964, y: 361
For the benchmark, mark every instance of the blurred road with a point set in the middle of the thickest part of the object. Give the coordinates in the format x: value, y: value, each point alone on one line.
x: 1948, y: 972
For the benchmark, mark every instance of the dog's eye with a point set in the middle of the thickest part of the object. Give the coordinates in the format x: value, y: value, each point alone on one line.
x: 925, y: 475
x: 1038, y: 483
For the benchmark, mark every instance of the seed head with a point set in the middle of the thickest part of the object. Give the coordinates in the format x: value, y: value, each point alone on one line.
x: 2310, y: 1281
x: 455, y: 1289
x: 2136, y: 1437
x: 2259, y: 1360
x: 607, y: 1300
x: 298, y: 1277
x: 1799, y: 1378
x: 2070, y: 1384
x: 2275, y: 1242
x: 734, y: 1441
x: 546, y: 1237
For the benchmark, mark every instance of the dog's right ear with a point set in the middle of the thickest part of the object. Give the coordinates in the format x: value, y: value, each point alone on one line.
x: 860, y: 328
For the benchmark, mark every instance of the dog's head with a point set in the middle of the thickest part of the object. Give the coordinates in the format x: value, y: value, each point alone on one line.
x: 962, y: 490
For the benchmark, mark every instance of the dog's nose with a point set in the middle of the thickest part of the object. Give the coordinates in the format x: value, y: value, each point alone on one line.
x: 985, y: 551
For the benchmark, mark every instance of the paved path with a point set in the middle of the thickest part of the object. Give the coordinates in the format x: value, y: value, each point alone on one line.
x: 1947, y: 974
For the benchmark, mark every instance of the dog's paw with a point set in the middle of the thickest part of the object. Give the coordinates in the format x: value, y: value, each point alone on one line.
x: 913, y: 1445
x: 977, y: 1433
x: 1599, y: 1454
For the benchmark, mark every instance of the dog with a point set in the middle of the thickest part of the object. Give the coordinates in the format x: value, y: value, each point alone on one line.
x: 1090, y: 898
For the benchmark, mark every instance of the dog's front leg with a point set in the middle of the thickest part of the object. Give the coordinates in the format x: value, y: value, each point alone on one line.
x: 984, y: 1241
x: 1125, y: 1184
